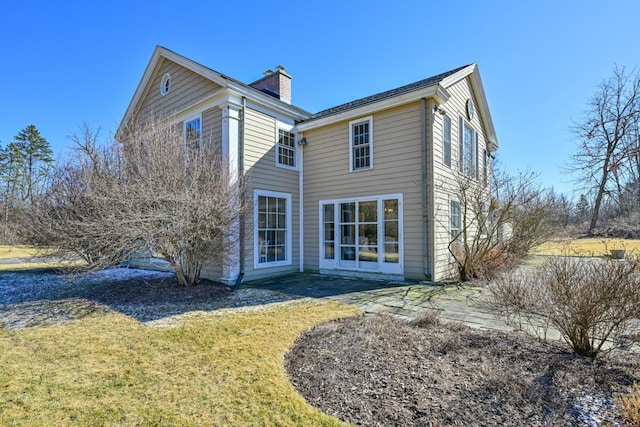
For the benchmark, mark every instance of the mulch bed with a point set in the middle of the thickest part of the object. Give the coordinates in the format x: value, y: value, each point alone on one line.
x: 382, y: 371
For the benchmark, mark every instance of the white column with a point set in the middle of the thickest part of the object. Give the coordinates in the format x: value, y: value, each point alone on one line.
x: 230, y: 150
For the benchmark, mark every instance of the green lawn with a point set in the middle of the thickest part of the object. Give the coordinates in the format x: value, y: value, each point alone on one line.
x: 208, y: 370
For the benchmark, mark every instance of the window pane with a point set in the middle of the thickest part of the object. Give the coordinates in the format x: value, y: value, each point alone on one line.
x: 329, y: 231
x: 391, y: 231
x: 328, y: 251
x: 348, y: 234
x: 348, y: 253
x: 391, y: 209
x: 347, y: 212
x: 368, y: 253
x: 368, y: 211
x: 328, y: 213
x: 391, y: 253
x: 368, y: 234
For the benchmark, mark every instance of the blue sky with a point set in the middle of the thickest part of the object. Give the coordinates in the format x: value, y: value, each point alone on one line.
x: 68, y: 62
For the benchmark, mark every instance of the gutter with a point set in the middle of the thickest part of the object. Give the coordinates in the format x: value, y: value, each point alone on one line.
x: 426, y: 247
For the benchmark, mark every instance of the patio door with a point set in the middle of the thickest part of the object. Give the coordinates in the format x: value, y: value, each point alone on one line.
x: 362, y: 234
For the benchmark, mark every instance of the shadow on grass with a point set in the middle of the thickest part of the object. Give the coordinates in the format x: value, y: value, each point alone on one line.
x: 40, y: 297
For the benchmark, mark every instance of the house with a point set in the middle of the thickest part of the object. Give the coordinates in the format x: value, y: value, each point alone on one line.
x: 361, y: 189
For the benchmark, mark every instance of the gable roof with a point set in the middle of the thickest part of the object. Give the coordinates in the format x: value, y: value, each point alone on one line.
x: 435, y: 86
x: 411, y: 87
x: 161, y: 53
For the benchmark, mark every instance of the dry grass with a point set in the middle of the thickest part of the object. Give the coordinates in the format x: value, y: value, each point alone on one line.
x: 208, y: 370
x: 17, y: 252
x: 585, y: 247
x: 629, y: 405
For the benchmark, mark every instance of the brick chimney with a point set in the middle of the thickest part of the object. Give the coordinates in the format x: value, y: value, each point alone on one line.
x: 276, y: 83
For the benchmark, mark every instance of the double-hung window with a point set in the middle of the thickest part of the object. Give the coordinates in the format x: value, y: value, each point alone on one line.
x: 361, y: 144
x: 455, y: 220
x: 192, y: 134
x: 468, y: 149
x: 272, y: 229
x: 286, y: 149
x: 446, y: 141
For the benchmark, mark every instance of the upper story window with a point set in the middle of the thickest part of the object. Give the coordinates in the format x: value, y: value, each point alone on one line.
x: 286, y: 149
x: 165, y: 84
x: 192, y: 134
x: 361, y: 144
x: 468, y: 149
x: 446, y: 141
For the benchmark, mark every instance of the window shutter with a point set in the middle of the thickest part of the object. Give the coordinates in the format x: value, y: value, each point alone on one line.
x: 461, y: 144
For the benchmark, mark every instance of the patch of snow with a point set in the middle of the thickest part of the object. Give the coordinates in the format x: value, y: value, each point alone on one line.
x: 593, y: 410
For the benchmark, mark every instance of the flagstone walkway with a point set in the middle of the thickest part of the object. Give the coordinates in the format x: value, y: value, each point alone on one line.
x: 405, y: 299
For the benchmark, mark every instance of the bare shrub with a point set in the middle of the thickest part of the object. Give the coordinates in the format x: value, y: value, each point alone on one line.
x: 426, y: 319
x: 593, y: 303
x: 498, y: 225
x: 152, y: 194
x: 629, y: 405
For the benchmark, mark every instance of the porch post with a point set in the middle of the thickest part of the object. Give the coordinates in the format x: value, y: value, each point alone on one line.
x: 230, y: 149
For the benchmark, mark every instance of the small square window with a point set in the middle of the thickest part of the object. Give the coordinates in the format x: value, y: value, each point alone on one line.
x: 286, y: 148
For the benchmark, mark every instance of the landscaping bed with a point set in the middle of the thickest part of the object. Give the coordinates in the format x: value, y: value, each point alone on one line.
x: 380, y: 371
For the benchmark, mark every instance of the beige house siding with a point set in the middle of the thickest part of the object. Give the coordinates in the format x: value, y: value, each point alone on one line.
x: 187, y: 88
x: 211, y: 128
x: 260, y: 137
x: 444, y: 177
x: 397, y: 165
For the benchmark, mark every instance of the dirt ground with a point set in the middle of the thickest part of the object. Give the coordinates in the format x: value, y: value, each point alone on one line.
x: 382, y: 371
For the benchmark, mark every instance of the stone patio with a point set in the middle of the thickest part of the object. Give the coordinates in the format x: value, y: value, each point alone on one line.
x: 405, y: 299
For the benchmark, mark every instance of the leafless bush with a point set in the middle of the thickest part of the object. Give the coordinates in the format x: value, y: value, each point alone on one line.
x: 498, y: 226
x: 594, y: 304
x: 111, y: 202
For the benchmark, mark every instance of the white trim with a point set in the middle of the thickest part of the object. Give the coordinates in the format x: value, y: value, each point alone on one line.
x: 369, y: 120
x: 166, y: 79
x: 290, y: 129
x: 300, y: 161
x: 396, y: 269
x: 289, y: 230
x: 428, y: 92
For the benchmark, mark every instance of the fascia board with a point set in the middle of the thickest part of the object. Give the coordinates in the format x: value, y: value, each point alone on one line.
x: 365, y: 110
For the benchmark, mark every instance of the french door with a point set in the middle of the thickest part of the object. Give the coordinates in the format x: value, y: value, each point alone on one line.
x: 362, y: 234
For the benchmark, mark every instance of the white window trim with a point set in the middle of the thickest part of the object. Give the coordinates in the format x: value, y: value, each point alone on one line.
x: 184, y: 128
x: 334, y: 264
x: 256, y: 243
x: 453, y: 199
x: 475, y: 142
x: 355, y: 122
x: 296, y: 160
x: 446, y: 118
x: 166, y: 78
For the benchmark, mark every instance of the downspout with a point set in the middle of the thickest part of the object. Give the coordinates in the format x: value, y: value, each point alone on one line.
x: 301, y: 144
x: 426, y: 252
x: 241, y: 175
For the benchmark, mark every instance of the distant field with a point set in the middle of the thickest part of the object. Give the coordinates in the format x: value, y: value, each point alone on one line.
x: 17, y: 252
x: 586, y: 247
x: 17, y: 258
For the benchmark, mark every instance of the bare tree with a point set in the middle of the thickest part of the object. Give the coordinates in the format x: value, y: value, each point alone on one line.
x: 498, y: 226
x: 607, y: 138
x: 112, y: 201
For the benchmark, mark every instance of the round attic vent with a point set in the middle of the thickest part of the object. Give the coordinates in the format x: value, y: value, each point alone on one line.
x: 165, y: 84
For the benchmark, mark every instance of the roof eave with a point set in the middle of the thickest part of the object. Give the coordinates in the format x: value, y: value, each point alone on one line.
x: 434, y: 91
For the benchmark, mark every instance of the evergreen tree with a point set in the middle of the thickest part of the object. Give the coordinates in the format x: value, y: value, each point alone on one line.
x: 36, y: 161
